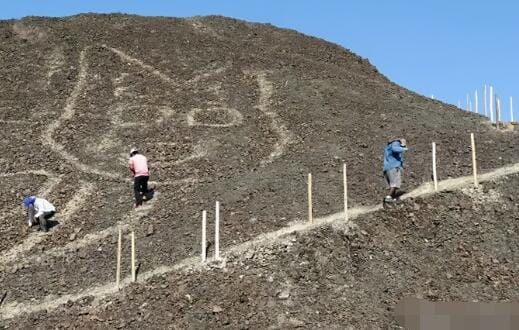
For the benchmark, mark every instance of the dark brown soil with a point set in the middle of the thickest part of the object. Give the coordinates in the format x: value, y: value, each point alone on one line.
x: 456, y: 246
x: 334, y: 104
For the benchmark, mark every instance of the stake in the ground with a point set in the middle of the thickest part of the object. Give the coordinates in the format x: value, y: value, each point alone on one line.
x: 474, y: 165
x: 345, y: 184
x: 204, y: 239
x: 217, y: 232
x: 133, y: 257
x: 511, y: 111
x: 498, y: 112
x: 485, y: 101
x: 476, y: 101
x: 491, y: 104
x: 119, y: 247
x: 310, y: 216
x: 435, y: 177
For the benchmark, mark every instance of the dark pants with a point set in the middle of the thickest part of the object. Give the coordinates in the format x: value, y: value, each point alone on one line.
x: 41, y: 220
x: 140, y: 188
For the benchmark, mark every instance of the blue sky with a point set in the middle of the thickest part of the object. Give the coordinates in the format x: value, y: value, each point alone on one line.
x: 441, y: 48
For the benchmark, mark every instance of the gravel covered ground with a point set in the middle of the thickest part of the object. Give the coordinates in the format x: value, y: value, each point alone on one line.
x: 225, y: 110
x: 454, y: 246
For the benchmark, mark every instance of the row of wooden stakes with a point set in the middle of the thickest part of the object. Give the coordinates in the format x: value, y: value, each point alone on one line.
x: 310, y: 215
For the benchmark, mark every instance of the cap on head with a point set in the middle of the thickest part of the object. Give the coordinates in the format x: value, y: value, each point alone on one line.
x: 28, y: 200
x: 133, y: 151
x: 403, y: 142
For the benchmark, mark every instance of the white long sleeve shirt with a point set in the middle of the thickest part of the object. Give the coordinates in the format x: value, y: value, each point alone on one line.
x: 42, y: 205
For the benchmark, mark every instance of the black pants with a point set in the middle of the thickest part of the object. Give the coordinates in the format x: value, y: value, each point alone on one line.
x: 41, y: 220
x: 140, y: 188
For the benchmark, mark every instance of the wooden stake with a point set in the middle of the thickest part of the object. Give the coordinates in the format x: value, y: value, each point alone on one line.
x: 204, y: 239
x: 491, y: 104
x: 310, y: 216
x: 134, y: 277
x: 511, y: 111
x: 345, y: 184
x: 476, y: 101
x: 498, y: 112
x: 485, y: 101
x: 217, y: 232
x: 119, y: 247
x: 435, y: 178
x: 474, y: 165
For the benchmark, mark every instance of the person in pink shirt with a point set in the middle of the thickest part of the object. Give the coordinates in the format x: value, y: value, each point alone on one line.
x: 138, y: 165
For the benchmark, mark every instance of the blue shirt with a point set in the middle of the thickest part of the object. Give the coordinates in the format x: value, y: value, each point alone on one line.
x: 394, y: 155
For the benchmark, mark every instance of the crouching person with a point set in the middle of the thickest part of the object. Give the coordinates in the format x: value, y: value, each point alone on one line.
x: 39, y: 210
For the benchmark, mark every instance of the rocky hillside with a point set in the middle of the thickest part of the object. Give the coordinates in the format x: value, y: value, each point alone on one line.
x: 224, y: 110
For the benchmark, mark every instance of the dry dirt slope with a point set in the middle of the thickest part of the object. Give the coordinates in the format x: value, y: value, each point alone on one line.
x: 456, y: 246
x: 224, y: 109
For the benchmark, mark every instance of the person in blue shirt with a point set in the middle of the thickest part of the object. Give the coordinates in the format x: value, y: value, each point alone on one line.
x: 393, y: 167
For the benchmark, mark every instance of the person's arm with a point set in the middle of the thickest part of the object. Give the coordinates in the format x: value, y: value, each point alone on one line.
x: 39, y: 211
x: 130, y: 166
x: 398, y: 148
x: 30, y: 214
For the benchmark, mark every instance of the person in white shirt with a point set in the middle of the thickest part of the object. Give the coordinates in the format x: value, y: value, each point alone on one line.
x: 39, y: 210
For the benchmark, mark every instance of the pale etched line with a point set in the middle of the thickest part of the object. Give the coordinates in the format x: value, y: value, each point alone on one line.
x: 29, y: 172
x: 236, y: 118
x: 54, y: 63
x: 165, y: 114
x: 205, y: 75
x: 145, y: 66
x: 14, y: 122
x: 14, y: 309
x: 130, y: 125
x: 49, y: 186
x: 156, y: 72
x: 108, y: 139
x: 32, y: 240
x: 68, y: 113
x: 285, y: 136
x: 199, y: 151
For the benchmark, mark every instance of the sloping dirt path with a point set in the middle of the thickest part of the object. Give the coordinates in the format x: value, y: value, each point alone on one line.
x: 14, y: 309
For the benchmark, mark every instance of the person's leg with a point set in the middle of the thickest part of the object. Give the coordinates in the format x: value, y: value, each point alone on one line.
x: 386, y: 178
x: 30, y: 215
x: 396, y: 182
x: 137, y: 190
x: 43, y: 220
x: 392, y: 192
x: 393, y: 180
x: 144, y: 186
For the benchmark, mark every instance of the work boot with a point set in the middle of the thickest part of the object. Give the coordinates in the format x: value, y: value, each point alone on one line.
x: 389, y: 199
